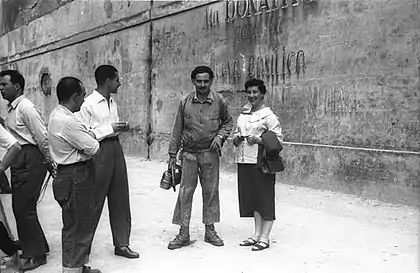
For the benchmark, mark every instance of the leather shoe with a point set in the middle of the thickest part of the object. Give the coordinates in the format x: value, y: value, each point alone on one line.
x: 87, y: 269
x: 33, y: 263
x: 125, y: 251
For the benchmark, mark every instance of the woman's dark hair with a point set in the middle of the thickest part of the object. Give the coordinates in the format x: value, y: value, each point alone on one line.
x: 67, y: 86
x: 202, y: 69
x: 256, y: 82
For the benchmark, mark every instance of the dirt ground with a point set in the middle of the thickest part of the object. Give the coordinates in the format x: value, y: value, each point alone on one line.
x: 315, y: 231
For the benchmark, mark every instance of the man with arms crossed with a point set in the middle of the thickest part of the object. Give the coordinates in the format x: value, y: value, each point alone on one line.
x: 201, y: 126
x: 99, y: 113
x: 72, y: 147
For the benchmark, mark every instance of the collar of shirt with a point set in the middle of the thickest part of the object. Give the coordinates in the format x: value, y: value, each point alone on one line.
x: 209, y: 99
x: 98, y: 97
x: 261, y: 113
x: 64, y: 109
x: 15, y: 103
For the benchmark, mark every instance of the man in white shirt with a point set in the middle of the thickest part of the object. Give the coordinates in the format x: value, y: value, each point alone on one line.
x: 24, y: 122
x: 99, y: 112
x: 72, y: 147
x: 12, y: 147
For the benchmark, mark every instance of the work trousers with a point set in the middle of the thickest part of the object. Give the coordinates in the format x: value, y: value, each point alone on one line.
x: 205, y: 165
x: 111, y: 182
x: 73, y: 190
x: 27, y: 177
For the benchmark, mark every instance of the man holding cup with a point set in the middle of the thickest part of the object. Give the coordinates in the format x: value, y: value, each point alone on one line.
x: 99, y: 112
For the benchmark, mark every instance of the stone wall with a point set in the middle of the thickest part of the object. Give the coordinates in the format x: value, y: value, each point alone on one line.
x: 343, y: 76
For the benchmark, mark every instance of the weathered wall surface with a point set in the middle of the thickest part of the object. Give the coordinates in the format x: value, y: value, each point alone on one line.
x: 339, y: 73
x: 76, y: 38
x: 16, y: 13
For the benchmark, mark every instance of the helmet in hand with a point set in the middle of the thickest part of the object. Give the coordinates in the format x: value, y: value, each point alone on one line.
x: 171, y: 178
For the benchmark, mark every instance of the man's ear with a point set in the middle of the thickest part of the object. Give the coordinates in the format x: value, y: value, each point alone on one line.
x: 74, y: 97
x: 17, y: 86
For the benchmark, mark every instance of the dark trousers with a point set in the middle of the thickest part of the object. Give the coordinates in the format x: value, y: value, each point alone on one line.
x: 6, y: 244
x: 111, y: 182
x: 27, y: 176
x: 73, y: 190
x: 204, y: 165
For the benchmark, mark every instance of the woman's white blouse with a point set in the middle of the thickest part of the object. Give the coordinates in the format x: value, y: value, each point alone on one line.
x: 254, y: 124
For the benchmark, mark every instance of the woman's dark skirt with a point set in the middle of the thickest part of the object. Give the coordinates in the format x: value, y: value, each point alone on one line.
x: 256, y: 192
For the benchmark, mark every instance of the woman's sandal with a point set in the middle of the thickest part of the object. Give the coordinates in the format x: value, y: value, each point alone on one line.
x: 260, y: 245
x: 248, y: 242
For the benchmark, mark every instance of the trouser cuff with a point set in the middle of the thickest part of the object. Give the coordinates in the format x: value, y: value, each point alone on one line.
x: 72, y: 270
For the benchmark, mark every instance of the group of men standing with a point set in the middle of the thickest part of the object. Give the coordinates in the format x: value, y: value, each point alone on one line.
x: 81, y: 150
x: 82, y: 141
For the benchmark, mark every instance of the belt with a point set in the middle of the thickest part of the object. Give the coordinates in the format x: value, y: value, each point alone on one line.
x: 113, y: 138
x: 77, y: 164
x: 195, y: 150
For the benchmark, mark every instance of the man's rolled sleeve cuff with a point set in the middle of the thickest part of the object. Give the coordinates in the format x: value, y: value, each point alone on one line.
x: 103, y: 132
x: 94, y: 150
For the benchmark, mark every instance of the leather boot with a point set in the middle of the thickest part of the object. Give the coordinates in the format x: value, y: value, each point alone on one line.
x: 212, y: 237
x: 181, y: 239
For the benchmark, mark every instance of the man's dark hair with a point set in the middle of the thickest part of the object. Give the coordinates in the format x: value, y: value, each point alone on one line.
x: 67, y: 86
x: 104, y: 72
x: 15, y: 77
x: 202, y: 69
x: 256, y: 82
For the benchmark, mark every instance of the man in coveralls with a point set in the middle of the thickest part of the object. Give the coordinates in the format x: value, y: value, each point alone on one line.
x: 99, y: 113
x: 72, y: 147
x: 12, y: 147
x: 28, y: 170
x: 202, y: 124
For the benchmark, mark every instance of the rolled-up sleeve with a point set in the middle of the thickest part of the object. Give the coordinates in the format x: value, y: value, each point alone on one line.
x: 76, y: 133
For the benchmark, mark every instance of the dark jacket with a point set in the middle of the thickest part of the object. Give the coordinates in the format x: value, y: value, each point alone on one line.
x: 269, y: 159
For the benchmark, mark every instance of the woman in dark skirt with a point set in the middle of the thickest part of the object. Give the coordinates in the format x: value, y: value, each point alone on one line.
x: 255, y: 188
